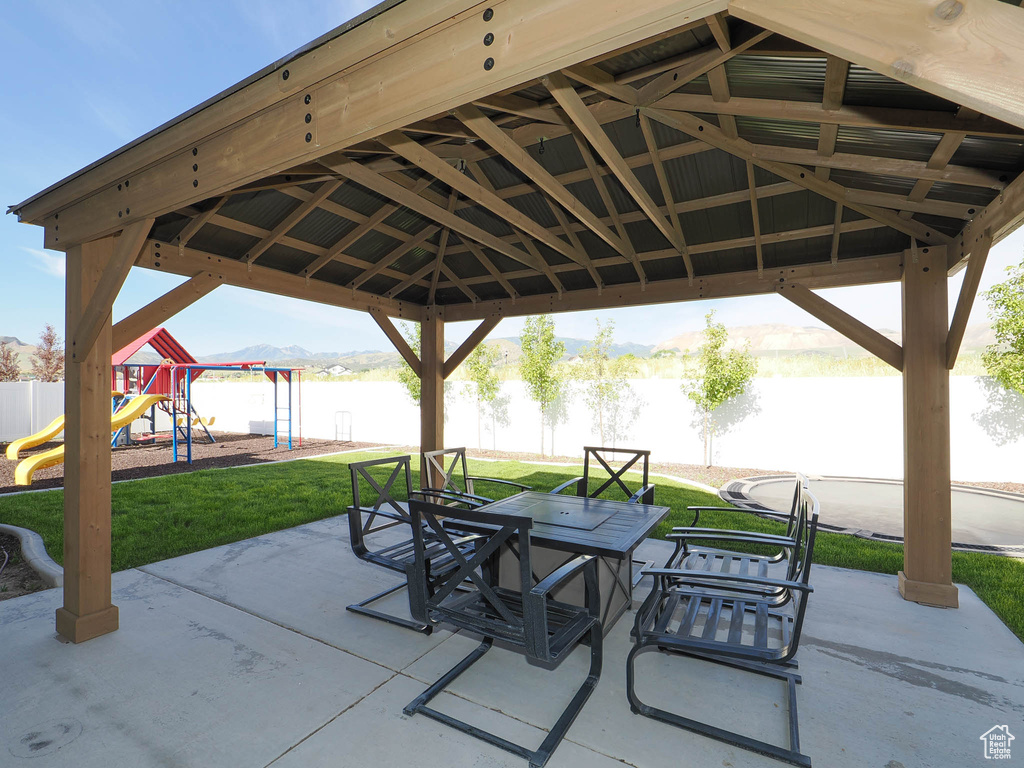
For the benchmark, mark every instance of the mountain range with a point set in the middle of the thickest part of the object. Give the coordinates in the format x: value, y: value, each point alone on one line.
x: 767, y: 339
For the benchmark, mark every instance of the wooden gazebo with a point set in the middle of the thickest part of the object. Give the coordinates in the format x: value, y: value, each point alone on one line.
x: 447, y: 160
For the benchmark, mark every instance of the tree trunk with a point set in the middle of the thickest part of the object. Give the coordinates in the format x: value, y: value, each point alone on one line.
x: 542, y: 430
x: 707, y: 441
x: 479, y: 419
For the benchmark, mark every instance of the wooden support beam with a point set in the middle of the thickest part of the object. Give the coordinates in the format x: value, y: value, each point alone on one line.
x: 699, y: 63
x: 966, y: 52
x: 1000, y: 217
x: 563, y: 92
x: 968, y: 290
x: 87, y: 611
x: 927, y: 522
x: 199, y: 221
x: 410, y: 281
x: 394, y: 255
x: 159, y: 311
x: 352, y: 237
x: 836, y: 71
x: 719, y: 29
x: 396, y: 338
x: 435, y: 166
x: 165, y: 257
x: 602, y: 81
x: 96, y: 315
x: 837, y: 232
x: 439, y: 261
x: 666, y: 189
x: 744, y: 149
x: 289, y: 222
x: 756, y: 216
x: 865, y: 271
x: 517, y: 105
x: 494, y: 272
x: 863, y: 335
x: 483, y: 127
x: 409, y: 199
x: 431, y: 390
x: 465, y: 349
x: 941, y: 155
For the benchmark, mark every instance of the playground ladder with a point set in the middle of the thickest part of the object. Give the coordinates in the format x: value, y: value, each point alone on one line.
x: 282, y: 413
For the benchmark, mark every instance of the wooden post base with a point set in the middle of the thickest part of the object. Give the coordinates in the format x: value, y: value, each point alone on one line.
x: 926, y: 593
x: 78, y: 629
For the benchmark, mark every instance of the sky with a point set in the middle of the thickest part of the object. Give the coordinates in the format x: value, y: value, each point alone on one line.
x: 84, y: 77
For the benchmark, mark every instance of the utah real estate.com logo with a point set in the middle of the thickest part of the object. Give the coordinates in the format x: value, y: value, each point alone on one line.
x: 997, y: 742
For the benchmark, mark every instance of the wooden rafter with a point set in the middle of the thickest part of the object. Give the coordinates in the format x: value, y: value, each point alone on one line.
x: 747, y: 151
x: 699, y: 63
x: 756, y: 217
x: 483, y: 127
x: 494, y: 272
x: 376, y: 182
x: 438, y: 168
x: 563, y: 92
x: 666, y: 189
x: 837, y: 231
x: 836, y: 71
x: 198, y: 222
x: 442, y: 244
x: 394, y: 255
x: 292, y: 220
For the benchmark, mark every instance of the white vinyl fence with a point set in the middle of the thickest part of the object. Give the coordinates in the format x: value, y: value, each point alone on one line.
x: 28, y: 406
x: 839, y: 426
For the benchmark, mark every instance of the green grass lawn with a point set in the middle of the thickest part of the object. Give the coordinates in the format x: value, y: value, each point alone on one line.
x: 169, y: 516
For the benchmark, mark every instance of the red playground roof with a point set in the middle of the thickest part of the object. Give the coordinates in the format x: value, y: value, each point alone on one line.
x: 159, y: 339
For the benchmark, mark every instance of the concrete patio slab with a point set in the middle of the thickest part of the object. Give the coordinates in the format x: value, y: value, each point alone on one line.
x: 186, y: 681
x: 302, y: 579
x: 244, y: 656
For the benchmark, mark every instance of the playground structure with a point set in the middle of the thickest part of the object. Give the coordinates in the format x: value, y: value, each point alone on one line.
x: 140, y: 390
x: 173, y: 377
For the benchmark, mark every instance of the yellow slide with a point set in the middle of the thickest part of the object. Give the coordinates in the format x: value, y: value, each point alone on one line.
x: 135, y: 408
x: 49, y: 432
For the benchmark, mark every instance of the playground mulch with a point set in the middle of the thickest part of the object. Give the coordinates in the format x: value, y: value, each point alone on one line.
x: 138, y: 461
x: 16, y: 577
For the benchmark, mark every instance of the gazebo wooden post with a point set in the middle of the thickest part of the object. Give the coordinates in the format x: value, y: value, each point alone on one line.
x: 431, y: 386
x: 87, y: 611
x: 927, y: 556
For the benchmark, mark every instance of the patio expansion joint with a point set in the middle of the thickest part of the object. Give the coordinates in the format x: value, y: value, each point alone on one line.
x: 267, y: 619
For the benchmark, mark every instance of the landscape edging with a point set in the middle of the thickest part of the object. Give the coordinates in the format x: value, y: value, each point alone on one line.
x: 34, y: 552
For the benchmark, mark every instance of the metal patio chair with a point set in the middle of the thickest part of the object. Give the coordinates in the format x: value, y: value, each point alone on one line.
x: 380, y: 504
x: 455, y: 478
x: 643, y: 495
x: 684, y: 614
x: 721, y: 557
x: 545, y: 630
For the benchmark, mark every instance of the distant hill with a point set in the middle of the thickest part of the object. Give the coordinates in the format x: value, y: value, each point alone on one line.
x: 23, y: 350
x: 776, y: 338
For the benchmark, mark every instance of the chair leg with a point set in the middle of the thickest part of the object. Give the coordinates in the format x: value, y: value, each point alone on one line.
x: 791, y: 755
x: 362, y: 610
x: 539, y: 757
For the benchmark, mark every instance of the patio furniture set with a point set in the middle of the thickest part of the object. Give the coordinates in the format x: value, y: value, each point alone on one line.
x: 545, y: 572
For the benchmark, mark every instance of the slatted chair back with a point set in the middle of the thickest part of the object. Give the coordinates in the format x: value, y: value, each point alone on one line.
x: 591, y: 488
x: 380, y: 492
x: 483, y: 609
x: 799, y: 570
x: 446, y: 470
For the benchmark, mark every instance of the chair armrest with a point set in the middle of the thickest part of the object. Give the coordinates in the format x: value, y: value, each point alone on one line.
x: 553, y: 579
x: 502, y: 482
x: 458, y: 494
x: 719, y: 534
x: 635, y: 498
x: 379, y: 513
x: 565, y: 485
x: 759, y: 512
x: 472, y: 502
x: 702, y: 578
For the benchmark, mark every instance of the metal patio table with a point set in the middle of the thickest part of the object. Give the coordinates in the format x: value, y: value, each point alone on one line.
x: 565, y: 526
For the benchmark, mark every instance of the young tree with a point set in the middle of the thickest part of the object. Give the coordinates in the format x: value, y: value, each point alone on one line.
x: 605, y: 382
x: 1004, y: 360
x: 483, y: 384
x: 720, y: 376
x: 9, y: 368
x: 48, y: 360
x: 406, y: 375
x: 537, y: 365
